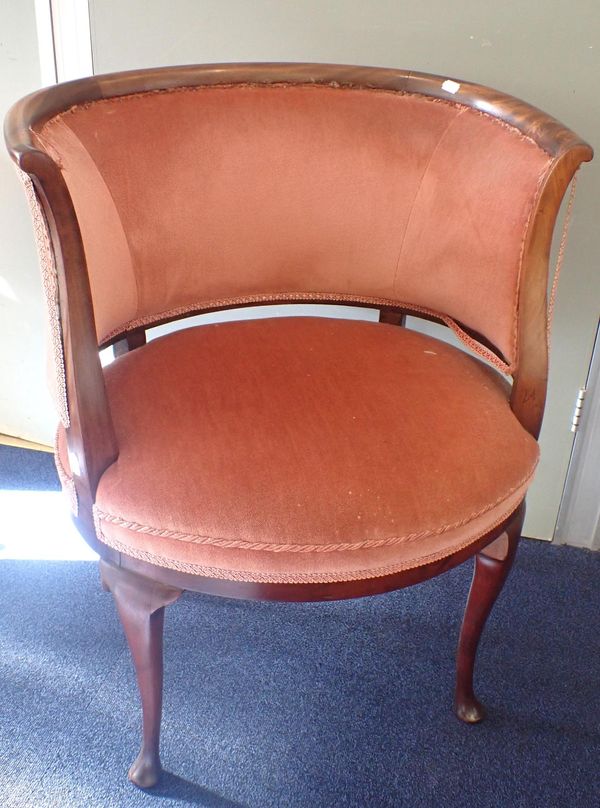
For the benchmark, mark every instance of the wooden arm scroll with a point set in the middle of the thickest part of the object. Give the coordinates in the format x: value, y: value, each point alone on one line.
x: 91, y: 439
x: 530, y: 381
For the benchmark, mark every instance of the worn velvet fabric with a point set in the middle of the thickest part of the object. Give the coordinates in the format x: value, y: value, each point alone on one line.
x: 200, y: 196
x: 307, y: 449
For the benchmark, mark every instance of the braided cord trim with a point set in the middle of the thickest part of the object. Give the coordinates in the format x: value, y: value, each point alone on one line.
x: 295, y: 577
x: 58, y: 384
x: 101, y: 516
x: 560, y: 256
x: 66, y: 480
x: 308, y: 297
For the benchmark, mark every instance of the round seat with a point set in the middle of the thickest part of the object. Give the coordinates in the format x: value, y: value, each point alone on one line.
x: 306, y: 449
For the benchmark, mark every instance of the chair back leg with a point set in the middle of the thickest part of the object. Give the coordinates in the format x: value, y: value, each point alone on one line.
x: 141, y: 607
x: 492, y: 566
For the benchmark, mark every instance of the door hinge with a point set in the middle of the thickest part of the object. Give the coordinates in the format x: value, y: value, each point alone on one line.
x: 578, y: 408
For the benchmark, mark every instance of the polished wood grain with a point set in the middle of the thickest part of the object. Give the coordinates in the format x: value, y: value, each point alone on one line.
x: 491, y: 570
x: 392, y: 317
x: 141, y: 605
x: 34, y: 110
x: 131, y: 341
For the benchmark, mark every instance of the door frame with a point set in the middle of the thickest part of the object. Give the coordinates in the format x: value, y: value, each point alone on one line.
x: 64, y: 40
x: 578, y: 520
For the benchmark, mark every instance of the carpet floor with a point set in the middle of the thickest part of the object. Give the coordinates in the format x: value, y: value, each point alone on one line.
x: 302, y: 705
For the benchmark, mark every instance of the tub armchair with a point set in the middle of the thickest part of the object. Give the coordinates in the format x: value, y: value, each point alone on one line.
x: 293, y: 458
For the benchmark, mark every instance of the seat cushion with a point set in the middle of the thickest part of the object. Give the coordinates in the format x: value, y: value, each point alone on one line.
x: 307, y: 450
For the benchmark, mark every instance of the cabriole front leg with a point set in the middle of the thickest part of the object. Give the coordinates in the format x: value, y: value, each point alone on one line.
x: 141, y: 607
x: 492, y: 566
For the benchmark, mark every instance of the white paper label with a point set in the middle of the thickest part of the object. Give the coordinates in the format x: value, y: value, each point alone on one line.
x: 451, y: 86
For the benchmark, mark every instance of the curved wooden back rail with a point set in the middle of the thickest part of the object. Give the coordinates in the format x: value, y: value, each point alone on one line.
x: 92, y: 444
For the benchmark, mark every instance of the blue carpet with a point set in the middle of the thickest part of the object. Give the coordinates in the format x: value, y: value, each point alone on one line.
x: 24, y: 470
x: 304, y: 705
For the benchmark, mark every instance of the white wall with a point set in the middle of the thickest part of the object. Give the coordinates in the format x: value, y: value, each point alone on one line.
x: 25, y: 406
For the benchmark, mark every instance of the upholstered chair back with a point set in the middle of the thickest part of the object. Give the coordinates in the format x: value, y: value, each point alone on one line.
x: 192, y: 198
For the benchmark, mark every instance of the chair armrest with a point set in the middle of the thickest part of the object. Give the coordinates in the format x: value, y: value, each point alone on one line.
x: 91, y: 439
x: 530, y: 381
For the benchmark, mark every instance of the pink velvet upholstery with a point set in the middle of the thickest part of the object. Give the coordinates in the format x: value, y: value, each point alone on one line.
x: 306, y: 449
x: 199, y: 196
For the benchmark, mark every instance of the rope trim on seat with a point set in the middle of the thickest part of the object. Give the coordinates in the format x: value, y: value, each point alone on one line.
x: 271, y: 547
x: 298, y: 577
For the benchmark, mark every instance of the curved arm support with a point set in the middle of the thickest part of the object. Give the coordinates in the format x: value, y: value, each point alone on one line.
x: 91, y: 438
x: 530, y: 381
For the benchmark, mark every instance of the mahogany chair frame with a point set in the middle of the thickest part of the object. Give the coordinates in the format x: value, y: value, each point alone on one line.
x: 142, y: 590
